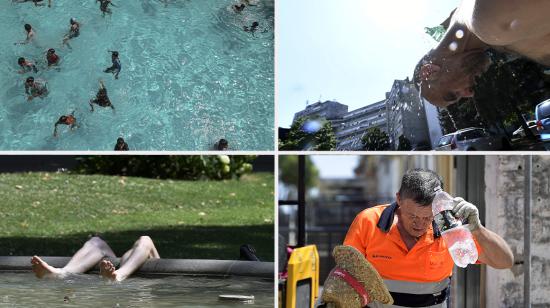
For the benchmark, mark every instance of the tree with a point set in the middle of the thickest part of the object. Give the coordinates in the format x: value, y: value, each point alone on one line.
x: 288, y: 171
x: 376, y: 140
x: 309, y: 135
x: 404, y: 144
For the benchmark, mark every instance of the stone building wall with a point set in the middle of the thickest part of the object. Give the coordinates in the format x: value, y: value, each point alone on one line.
x: 504, y: 195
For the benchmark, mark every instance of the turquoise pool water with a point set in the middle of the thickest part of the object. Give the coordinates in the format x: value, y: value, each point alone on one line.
x: 25, y: 290
x: 190, y: 75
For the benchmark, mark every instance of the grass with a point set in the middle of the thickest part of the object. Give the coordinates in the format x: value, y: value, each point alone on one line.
x: 55, y: 213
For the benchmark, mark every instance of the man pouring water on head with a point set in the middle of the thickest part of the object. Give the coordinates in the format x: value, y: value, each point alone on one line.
x: 519, y: 27
x: 414, y: 242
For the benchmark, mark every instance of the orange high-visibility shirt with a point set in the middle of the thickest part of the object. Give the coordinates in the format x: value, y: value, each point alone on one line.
x: 427, y: 261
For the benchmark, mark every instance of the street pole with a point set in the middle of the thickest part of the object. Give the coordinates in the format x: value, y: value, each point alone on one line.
x: 527, y: 232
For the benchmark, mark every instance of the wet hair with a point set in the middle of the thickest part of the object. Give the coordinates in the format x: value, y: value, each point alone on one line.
x: 30, y: 79
x: 51, y: 50
x: 20, y: 61
x: 222, y: 144
x: 120, y: 140
x: 62, y: 119
x: 420, y: 185
x: 28, y: 27
x: 416, y: 75
x: 255, y: 24
x: 72, y: 21
x: 115, y: 53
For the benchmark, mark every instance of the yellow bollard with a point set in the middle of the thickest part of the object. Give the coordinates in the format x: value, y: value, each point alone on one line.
x: 302, y: 285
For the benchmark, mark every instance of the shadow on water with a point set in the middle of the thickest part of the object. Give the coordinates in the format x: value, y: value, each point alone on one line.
x: 174, y: 242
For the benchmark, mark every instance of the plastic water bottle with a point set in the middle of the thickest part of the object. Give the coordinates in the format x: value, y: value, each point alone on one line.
x: 458, y: 238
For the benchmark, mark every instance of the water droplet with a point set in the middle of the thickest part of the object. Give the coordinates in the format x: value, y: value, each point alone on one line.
x: 312, y: 126
x: 514, y: 24
x: 453, y: 46
x: 459, y: 34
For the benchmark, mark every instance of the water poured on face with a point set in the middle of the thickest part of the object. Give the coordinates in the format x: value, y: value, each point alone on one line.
x: 453, y: 46
x: 311, y: 126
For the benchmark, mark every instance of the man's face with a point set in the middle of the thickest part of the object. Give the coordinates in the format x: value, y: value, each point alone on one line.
x: 414, y: 218
x: 454, y: 79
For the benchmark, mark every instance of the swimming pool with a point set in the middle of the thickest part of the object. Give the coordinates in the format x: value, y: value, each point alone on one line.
x: 88, y: 290
x: 190, y: 76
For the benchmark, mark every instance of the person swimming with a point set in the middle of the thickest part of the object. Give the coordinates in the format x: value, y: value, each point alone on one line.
x: 104, y: 6
x: 222, y: 145
x: 74, y: 31
x: 69, y: 120
x: 26, y: 66
x: 52, y: 57
x: 101, y: 99
x: 239, y: 7
x: 30, y: 35
x: 121, y: 145
x: 36, y: 2
x: 253, y: 28
x: 35, y: 88
x: 116, y: 67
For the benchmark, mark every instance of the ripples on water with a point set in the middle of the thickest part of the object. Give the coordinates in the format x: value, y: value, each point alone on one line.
x: 190, y: 76
x: 24, y: 290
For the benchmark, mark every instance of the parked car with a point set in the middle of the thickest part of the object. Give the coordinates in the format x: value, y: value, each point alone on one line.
x: 520, y: 133
x: 542, y: 116
x: 471, y: 139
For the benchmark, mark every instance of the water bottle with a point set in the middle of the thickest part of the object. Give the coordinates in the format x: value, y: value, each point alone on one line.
x: 458, y: 238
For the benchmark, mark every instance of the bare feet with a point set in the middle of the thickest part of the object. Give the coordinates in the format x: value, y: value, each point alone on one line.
x: 41, y: 268
x: 108, y: 270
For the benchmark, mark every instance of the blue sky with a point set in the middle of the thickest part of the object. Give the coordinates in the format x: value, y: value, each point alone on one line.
x: 349, y: 50
x: 335, y: 166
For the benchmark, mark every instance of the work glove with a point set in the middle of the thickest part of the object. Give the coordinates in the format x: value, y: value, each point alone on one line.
x: 464, y: 210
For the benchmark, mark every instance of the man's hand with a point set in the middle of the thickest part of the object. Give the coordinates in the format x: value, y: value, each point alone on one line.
x: 464, y: 210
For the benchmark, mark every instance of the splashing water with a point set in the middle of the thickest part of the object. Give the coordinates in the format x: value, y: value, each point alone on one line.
x: 453, y: 46
x: 312, y: 126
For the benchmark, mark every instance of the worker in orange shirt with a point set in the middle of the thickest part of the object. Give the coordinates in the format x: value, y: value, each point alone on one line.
x: 400, y: 242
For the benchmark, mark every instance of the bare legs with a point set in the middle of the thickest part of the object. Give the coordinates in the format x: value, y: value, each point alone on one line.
x: 83, y: 260
x: 132, y: 260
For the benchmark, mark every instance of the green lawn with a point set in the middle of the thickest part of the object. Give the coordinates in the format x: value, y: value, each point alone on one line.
x: 53, y: 214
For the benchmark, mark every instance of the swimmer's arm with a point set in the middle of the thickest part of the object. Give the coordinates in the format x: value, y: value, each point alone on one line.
x: 101, y: 84
x: 113, y: 4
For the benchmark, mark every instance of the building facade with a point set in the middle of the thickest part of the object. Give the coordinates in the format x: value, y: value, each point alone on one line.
x: 402, y: 113
x: 406, y: 115
x: 329, y: 110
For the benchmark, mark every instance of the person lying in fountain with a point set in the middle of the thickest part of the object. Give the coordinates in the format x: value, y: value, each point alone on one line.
x: 447, y: 73
x: 95, y: 251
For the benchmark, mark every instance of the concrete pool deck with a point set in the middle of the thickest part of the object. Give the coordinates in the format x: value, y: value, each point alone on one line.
x: 163, y: 266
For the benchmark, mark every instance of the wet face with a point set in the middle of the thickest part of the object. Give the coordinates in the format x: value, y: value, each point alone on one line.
x: 445, y: 84
x: 413, y: 217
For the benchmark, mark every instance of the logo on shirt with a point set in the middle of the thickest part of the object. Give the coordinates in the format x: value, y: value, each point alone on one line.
x: 375, y: 256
